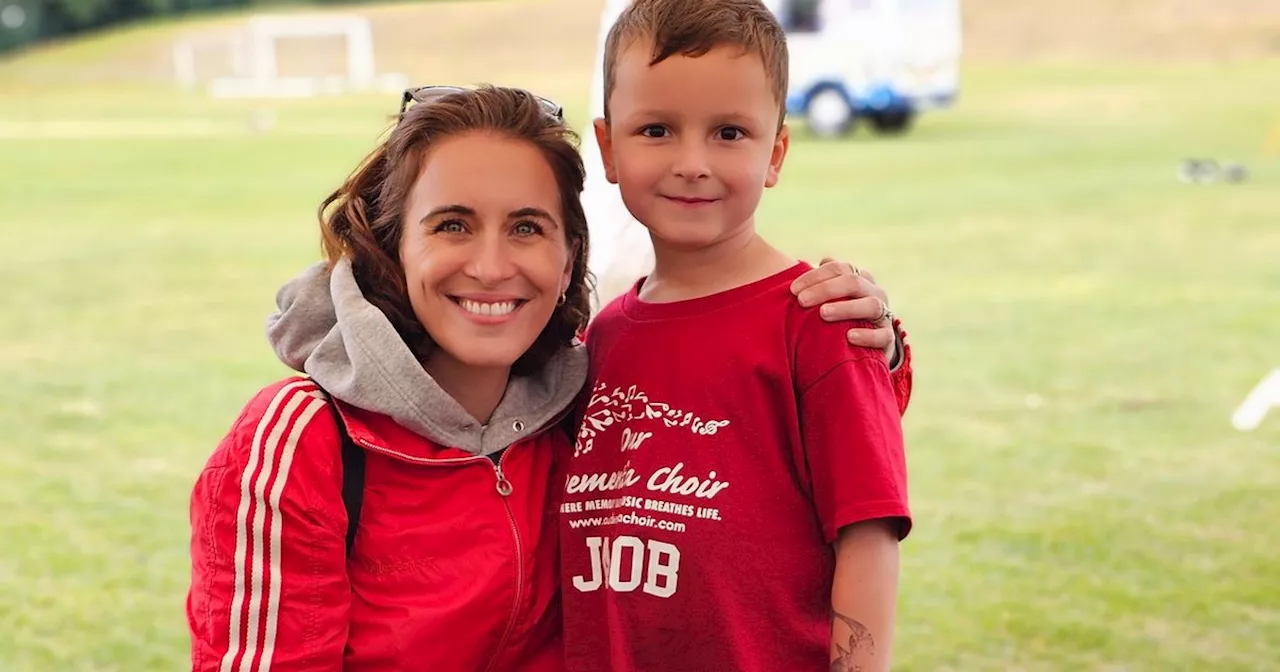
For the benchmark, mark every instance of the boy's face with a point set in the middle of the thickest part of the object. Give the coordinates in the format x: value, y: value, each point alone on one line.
x: 692, y: 143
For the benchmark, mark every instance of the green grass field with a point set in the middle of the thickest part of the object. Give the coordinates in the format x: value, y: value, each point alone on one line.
x: 1083, y: 325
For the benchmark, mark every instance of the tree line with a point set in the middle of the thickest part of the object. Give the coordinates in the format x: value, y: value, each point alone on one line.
x: 26, y: 21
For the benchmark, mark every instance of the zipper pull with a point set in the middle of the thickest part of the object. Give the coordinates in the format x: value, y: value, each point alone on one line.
x: 504, y: 486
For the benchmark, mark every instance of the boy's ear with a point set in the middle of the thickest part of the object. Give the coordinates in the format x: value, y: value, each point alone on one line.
x: 605, y: 142
x: 780, y: 145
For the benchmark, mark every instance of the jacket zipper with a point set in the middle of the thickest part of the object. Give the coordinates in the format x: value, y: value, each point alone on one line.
x: 504, y: 488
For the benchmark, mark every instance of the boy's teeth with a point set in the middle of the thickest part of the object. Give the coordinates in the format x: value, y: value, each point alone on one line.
x: 488, y: 309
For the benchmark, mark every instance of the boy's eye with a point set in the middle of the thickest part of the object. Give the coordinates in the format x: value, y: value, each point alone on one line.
x: 732, y: 133
x: 653, y: 132
x: 450, y: 226
x: 527, y: 228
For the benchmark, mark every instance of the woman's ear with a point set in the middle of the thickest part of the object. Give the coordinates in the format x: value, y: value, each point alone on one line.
x: 567, y: 277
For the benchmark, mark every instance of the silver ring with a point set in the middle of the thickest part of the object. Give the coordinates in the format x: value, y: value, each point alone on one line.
x: 885, y: 313
x: 856, y: 273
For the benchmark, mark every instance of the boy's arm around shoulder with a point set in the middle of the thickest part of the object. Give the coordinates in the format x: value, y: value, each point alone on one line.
x: 268, y: 555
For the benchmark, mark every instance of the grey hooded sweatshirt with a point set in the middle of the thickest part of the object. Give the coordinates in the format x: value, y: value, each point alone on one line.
x: 325, y: 328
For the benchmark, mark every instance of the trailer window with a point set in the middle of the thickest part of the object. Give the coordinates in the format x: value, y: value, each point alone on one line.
x: 801, y: 16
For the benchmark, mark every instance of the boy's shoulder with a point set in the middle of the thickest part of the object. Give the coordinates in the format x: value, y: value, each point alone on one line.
x: 767, y: 303
x: 615, y: 309
x: 815, y: 345
x: 607, y: 321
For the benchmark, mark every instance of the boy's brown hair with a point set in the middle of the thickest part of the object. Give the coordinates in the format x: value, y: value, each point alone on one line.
x: 694, y: 27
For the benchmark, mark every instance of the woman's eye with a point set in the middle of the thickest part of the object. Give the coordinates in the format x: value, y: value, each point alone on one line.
x: 653, y: 132
x: 731, y: 133
x: 527, y: 228
x: 450, y: 226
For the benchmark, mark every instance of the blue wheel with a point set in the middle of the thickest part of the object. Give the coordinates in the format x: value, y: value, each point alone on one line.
x: 892, y: 122
x: 828, y: 113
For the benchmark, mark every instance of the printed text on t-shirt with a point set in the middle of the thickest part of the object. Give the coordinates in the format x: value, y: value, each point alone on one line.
x: 630, y: 501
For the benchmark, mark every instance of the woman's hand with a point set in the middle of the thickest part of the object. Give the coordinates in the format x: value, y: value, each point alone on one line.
x: 845, y: 293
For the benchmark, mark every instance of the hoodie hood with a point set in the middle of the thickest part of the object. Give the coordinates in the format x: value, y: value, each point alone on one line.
x: 324, y: 327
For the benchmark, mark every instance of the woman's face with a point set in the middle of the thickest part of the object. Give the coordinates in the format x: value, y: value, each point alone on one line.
x: 484, y: 248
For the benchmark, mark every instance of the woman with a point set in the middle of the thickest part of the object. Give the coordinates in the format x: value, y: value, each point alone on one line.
x: 392, y: 510
x: 452, y: 361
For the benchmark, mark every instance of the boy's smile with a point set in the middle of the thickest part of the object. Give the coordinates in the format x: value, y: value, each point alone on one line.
x: 692, y: 201
x: 692, y: 142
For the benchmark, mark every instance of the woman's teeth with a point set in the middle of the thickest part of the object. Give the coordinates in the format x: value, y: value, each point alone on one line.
x: 488, y: 309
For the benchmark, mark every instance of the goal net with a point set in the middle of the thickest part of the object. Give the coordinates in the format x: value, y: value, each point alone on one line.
x: 284, y: 56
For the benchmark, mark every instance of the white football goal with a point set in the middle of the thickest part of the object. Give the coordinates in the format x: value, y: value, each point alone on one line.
x: 244, y: 62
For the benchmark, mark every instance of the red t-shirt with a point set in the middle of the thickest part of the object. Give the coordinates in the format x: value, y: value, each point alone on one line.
x: 726, y: 440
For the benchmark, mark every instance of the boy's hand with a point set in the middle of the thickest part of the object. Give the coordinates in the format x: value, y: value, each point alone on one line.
x: 849, y: 293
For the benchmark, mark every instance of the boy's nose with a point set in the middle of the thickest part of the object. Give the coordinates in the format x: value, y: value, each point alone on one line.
x: 692, y: 162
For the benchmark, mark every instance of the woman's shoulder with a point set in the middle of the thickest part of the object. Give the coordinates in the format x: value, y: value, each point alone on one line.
x: 279, y: 427
x: 277, y: 471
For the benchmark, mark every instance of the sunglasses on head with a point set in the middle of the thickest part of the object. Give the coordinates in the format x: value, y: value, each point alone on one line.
x: 426, y: 94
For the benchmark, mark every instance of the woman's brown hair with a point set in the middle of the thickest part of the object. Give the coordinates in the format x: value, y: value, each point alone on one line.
x: 364, y: 218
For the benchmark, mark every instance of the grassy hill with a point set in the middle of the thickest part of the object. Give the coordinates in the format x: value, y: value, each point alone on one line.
x: 472, y: 40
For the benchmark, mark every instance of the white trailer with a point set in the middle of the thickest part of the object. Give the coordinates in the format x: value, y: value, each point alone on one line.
x: 882, y: 61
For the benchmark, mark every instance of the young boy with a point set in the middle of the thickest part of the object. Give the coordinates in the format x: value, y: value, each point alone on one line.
x: 738, y: 488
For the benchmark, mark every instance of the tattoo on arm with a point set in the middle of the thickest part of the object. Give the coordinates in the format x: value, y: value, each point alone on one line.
x: 859, y: 644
